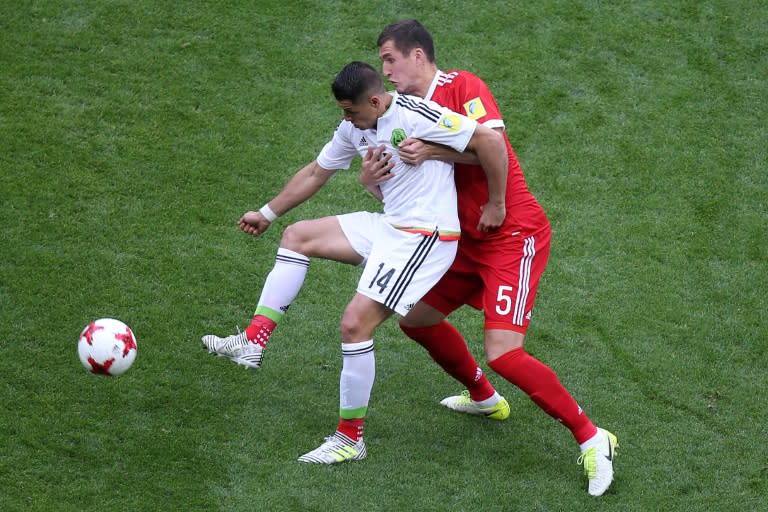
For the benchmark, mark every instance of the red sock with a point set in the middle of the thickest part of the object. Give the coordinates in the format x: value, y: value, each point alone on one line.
x: 260, y: 329
x: 352, y: 428
x: 448, y: 348
x: 541, y: 384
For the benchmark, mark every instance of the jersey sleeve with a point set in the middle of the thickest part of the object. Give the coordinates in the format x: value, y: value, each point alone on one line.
x: 339, y: 152
x: 443, y: 126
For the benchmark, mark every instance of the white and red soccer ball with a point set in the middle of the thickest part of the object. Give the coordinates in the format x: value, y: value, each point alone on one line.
x: 107, y: 347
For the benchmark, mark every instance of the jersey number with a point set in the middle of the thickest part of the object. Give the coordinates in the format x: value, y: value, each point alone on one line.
x: 503, y: 300
x: 382, y: 280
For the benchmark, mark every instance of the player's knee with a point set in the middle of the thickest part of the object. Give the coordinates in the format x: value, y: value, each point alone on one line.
x: 297, y: 237
x: 499, y: 342
x: 351, y: 327
x: 357, y: 323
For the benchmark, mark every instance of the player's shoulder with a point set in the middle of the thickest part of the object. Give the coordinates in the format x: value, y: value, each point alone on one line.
x: 416, y: 104
x: 345, y: 127
x: 347, y: 132
x: 458, y: 77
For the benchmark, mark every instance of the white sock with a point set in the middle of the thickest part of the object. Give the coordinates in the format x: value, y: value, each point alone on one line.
x: 592, y: 441
x: 284, y: 281
x: 357, y: 375
x: 492, y: 400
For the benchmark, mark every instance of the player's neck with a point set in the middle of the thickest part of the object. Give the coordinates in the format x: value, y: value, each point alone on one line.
x: 386, y: 101
x: 425, y: 81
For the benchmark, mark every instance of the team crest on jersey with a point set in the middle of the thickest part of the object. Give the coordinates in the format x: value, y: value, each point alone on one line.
x: 398, y: 136
x: 450, y: 122
x: 475, y: 108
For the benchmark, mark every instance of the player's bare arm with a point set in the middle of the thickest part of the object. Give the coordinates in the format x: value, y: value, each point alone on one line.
x: 415, y: 151
x: 375, y: 169
x: 303, y: 185
x: 491, y: 150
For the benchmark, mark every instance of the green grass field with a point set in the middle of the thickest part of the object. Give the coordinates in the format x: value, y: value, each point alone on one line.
x: 134, y: 134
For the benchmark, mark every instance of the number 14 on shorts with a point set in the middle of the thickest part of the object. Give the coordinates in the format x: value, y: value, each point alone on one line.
x: 382, y: 278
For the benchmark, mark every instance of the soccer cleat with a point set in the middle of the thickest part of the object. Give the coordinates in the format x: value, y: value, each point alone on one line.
x: 237, y: 348
x: 598, y: 463
x: 463, y: 403
x: 336, y: 448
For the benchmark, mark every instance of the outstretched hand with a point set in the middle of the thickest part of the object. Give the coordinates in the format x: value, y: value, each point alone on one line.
x: 253, y: 223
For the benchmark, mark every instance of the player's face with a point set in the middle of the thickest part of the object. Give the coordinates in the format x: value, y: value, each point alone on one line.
x: 400, y: 70
x: 363, y: 115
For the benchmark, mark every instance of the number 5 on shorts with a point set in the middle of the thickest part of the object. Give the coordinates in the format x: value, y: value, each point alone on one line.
x: 504, y: 301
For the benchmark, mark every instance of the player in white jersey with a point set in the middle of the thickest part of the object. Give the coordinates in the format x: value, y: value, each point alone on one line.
x: 404, y: 251
x: 417, y: 199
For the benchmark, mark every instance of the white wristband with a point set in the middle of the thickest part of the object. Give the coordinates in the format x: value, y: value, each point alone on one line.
x: 267, y: 212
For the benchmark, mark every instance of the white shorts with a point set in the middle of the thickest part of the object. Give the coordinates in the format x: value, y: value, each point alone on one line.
x: 399, y: 268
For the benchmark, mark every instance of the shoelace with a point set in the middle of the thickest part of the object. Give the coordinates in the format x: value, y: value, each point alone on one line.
x: 333, y: 443
x: 589, y: 461
x: 465, y: 396
x: 236, y: 342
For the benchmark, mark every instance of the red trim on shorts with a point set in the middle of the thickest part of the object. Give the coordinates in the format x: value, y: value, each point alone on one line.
x: 444, y: 236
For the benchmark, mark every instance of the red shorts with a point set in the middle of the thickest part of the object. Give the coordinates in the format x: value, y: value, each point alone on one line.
x: 499, y: 276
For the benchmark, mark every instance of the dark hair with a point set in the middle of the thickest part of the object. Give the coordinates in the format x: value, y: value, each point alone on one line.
x: 407, y: 35
x: 356, y: 80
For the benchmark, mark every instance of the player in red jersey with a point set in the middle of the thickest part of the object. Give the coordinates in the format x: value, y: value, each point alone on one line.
x: 497, y: 272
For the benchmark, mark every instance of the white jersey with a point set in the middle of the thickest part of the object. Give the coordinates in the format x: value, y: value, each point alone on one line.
x: 417, y: 199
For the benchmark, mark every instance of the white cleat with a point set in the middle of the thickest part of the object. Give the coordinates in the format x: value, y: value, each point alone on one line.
x: 463, y: 403
x: 237, y: 348
x: 336, y: 448
x: 598, y: 462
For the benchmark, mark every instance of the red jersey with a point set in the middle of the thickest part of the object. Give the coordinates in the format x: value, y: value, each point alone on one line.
x: 467, y: 94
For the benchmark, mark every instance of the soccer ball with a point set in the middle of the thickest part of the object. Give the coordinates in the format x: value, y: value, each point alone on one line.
x: 107, y: 347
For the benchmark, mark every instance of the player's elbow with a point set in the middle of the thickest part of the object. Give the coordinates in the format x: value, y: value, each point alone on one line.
x: 486, y: 140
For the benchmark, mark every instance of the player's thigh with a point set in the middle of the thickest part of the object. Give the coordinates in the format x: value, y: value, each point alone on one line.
x: 361, y: 230
x: 422, y: 315
x: 320, y: 238
x: 403, y: 267
x: 460, y: 286
x: 511, y: 277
